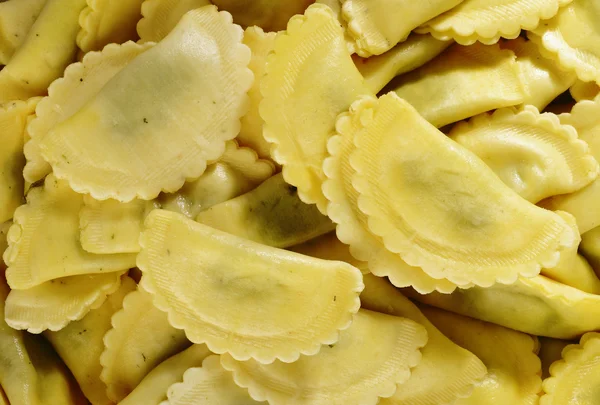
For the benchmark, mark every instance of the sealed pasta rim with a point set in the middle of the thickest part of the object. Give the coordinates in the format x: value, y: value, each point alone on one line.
x: 246, y: 160
x: 465, y: 40
x: 583, y: 114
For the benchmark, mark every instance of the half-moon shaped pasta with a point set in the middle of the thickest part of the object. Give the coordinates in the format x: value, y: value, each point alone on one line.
x: 464, y: 200
x: 553, y: 309
x: 513, y: 367
x: 271, y: 214
x: 161, y: 16
x: 44, y: 54
x: 105, y: 22
x: 378, y: 25
x: 13, y: 118
x: 462, y: 82
x: 543, y: 79
x: 584, y: 90
x: 140, y: 339
x: 235, y: 295
x: 373, y: 356
x: 211, y: 383
x: 80, y: 344
x: 81, y: 82
x: 44, y: 240
x: 416, y: 51
x: 107, y: 149
x: 532, y: 153
x: 271, y: 15
x: 576, y: 377
x: 310, y: 79
x: 446, y: 371
x: 55, y: 303
x: 153, y: 388
x: 487, y: 21
x: 16, y: 18
x: 550, y: 351
x: 571, y: 37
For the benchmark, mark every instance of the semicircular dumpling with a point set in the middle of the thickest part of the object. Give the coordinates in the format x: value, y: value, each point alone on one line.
x: 16, y: 18
x: 235, y: 295
x: 373, y: 356
x: 159, y: 17
x: 576, y: 377
x: 310, y: 79
x: 158, y: 102
x: 532, y: 153
x: 487, y: 21
x: 435, y: 202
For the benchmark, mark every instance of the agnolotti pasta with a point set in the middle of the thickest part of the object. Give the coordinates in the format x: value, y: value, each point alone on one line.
x: 16, y: 18
x: 237, y: 305
x: 110, y: 158
x: 161, y: 16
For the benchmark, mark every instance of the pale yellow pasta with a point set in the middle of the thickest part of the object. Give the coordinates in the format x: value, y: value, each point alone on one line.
x: 271, y: 15
x: 336, y: 7
x: 313, y: 67
x: 140, y: 339
x: 465, y: 202
x: 235, y: 295
x: 584, y: 90
x: 576, y: 377
x: 513, y: 367
x: 107, y: 149
x: 590, y: 248
x: 44, y: 240
x: 161, y: 16
x: 80, y: 344
x: 550, y: 351
x: 153, y: 388
x: 462, y: 82
x: 16, y: 18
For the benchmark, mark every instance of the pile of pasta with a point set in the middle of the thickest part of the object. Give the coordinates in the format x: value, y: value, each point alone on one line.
x: 340, y: 202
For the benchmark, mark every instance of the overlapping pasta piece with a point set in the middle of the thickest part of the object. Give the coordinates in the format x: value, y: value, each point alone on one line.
x: 153, y: 388
x: 16, y: 18
x: 271, y: 15
x: 584, y: 90
x: 161, y: 16
x: 446, y: 371
x: 235, y: 295
x: 487, y: 21
x: 80, y: 344
x: 434, y: 203
x: 550, y: 351
x: 532, y: 153
x: 576, y: 377
x: 571, y: 37
x: 310, y: 79
x: 107, y: 149
x: 106, y: 22
x: 590, y: 248
x: 140, y: 339
x: 373, y: 356
x: 44, y: 240
x: 462, y: 82
x: 49, y: 47
x: 378, y: 25
x: 510, y: 357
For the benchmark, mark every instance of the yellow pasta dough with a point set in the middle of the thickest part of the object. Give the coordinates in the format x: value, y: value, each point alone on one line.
x: 550, y: 351
x: 584, y: 90
x: 250, y: 300
x: 107, y: 149
x: 590, y: 248
x: 271, y: 15
x: 16, y: 18
x: 161, y: 16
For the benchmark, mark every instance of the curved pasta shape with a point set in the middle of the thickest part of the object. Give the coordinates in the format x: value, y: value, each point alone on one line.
x: 106, y: 22
x: 16, y: 18
x: 271, y: 214
x: 80, y: 344
x: 48, y: 48
x: 570, y: 38
x: 584, y: 90
x: 310, y: 79
x: 446, y: 371
x: 81, y: 82
x: 235, y: 303
x: 413, y: 53
x: 462, y: 82
x: 373, y: 356
x: 550, y: 351
x: 211, y: 382
x: 153, y: 388
x: 532, y: 153
x: 247, y: 163
x: 44, y: 240
x: 336, y: 7
x: 590, y: 248
x: 13, y: 119
x: 114, y: 158
x: 161, y: 16
x: 271, y: 15
x: 394, y: 195
x: 575, y: 378
x: 55, y: 303
x: 543, y: 79
x: 378, y: 25
x: 487, y: 21
x: 140, y: 339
